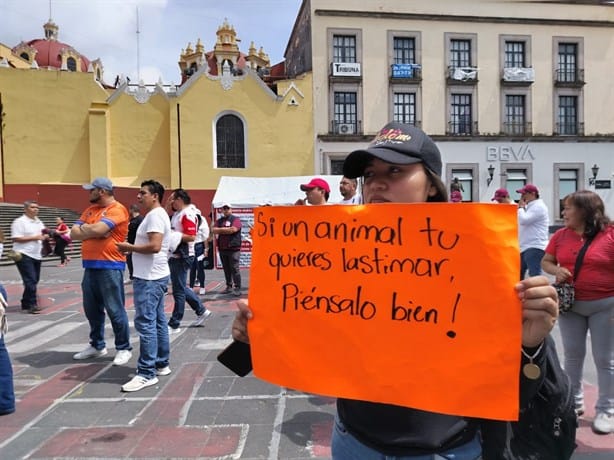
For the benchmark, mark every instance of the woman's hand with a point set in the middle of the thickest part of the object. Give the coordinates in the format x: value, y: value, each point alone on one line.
x: 539, y: 309
x: 562, y: 275
x: 239, y: 325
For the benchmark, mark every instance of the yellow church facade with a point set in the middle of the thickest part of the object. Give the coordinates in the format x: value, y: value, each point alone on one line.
x: 229, y: 117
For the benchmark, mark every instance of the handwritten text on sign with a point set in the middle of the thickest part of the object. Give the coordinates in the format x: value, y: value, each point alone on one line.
x: 407, y: 304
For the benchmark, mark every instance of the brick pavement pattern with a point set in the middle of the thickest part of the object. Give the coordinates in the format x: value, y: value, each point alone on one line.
x: 69, y: 409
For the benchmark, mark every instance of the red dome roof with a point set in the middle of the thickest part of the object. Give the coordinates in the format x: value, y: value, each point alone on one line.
x: 49, y: 53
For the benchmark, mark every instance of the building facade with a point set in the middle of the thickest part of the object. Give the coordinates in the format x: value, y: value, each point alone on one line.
x: 513, y: 93
x: 233, y: 115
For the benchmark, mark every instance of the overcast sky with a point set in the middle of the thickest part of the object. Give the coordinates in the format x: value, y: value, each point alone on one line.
x: 106, y: 29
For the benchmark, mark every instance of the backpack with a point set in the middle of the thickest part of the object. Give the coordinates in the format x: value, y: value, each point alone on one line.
x: 546, y: 428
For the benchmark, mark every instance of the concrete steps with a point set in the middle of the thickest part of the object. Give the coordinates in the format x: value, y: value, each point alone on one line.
x: 9, y: 212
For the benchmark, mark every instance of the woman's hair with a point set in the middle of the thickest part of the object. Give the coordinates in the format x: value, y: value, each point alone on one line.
x: 442, y: 194
x: 592, y: 208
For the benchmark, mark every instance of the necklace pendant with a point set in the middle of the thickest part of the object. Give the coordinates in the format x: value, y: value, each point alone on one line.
x: 531, y: 371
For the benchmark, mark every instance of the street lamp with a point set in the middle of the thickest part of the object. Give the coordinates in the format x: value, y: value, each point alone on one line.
x: 595, y: 171
x: 491, y: 172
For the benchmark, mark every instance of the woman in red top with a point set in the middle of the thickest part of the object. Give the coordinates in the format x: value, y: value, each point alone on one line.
x: 61, y: 236
x: 593, y: 309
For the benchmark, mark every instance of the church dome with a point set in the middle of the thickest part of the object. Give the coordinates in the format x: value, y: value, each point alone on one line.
x: 50, y: 53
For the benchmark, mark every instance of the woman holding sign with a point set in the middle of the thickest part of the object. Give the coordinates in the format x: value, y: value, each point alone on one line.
x: 403, y: 165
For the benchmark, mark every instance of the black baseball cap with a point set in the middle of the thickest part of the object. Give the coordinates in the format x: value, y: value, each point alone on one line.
x: 396, y: 143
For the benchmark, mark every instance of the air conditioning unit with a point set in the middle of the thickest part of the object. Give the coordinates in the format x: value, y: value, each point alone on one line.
x: 346, y: 128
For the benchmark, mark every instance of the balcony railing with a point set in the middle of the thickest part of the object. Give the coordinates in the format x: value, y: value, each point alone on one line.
x: 518, y: 76
x: 406, y: 72
x: 569, y: 129
x: 569, y: 76
x: 463, y: 74
x: 462, y: 128
x: 514, y: 128
x: 346, y: 128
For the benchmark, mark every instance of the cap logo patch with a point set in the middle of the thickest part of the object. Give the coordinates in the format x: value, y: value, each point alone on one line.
x: 393, y: 136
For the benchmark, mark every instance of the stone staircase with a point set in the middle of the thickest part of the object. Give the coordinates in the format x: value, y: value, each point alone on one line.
x: 9, y: 212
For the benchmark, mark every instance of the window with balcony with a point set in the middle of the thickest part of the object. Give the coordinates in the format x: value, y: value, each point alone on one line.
x: 567, y: 117
x: 517, y: 70
x: 345, y: 113
x: 515, y: 123
x: 229, y: 141
x: 404, y: 57
x: 567, y: 70
x: 344, y: 48
x: 461, y: 119
x: 404, y: 50
x: 514, y: 54
x: 404, y: 108
x: 461, y: 51
x: 345, y: 81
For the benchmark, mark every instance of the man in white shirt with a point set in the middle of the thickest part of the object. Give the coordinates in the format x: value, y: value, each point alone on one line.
x: 27, y: 236
x: 150, y: 279
x: 348, y: 189
x: 184, y: 221
x: 533, y: 224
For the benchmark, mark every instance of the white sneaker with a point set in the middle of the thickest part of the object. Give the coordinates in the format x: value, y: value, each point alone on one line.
x: 200, y: 319
x: 90, y: 352
x: 603, y: 423
x: 202, y: 291
x: 175, y: 330
x: 122, y: 357
x: 139, y: 382
x: 163, y: 371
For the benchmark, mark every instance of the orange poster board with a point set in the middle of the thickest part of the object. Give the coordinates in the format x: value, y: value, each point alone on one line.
x: 407, y: 304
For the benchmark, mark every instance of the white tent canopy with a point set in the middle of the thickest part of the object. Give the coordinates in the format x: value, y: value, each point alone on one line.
x: 250, y: 192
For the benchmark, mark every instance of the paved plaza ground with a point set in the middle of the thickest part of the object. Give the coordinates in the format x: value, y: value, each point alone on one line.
x: 70, y: 409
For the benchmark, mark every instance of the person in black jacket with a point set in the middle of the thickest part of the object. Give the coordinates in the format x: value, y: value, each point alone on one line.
x: 135, y: 220
x: 403, y: 165
x: 228, y: 231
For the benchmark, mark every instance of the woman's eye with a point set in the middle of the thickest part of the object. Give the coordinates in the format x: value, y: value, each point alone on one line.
x: 367, y: 174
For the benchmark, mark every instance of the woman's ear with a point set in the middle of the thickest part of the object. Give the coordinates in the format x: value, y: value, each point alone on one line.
x: 432, y: 189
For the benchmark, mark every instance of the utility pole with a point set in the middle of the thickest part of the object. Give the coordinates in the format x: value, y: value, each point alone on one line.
x: 138, y: 48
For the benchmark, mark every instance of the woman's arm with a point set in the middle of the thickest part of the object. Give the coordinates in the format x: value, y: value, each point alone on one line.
x: 551, y: 266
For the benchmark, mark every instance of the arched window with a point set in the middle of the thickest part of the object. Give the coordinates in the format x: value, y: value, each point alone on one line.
x: 25, y: 56
x: 230, y: 142
x: 71, y: 63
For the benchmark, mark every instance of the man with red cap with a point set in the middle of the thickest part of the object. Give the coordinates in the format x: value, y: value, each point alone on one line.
x: 502, y: 196
x: 316, y: 191
x: 533, y: 224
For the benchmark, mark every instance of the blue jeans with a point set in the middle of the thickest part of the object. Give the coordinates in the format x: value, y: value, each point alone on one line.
x: 30, y: 271
x: 7, y: 394
x: 150, y: 323
x: 197, y: 270
x: 596, y: 316
x: 344, y: 446
x: 103, y: 290
x: 531, y: 259
x: 181, y: 293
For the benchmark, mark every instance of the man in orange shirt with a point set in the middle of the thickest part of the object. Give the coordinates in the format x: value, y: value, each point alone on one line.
x: 100, y: 227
